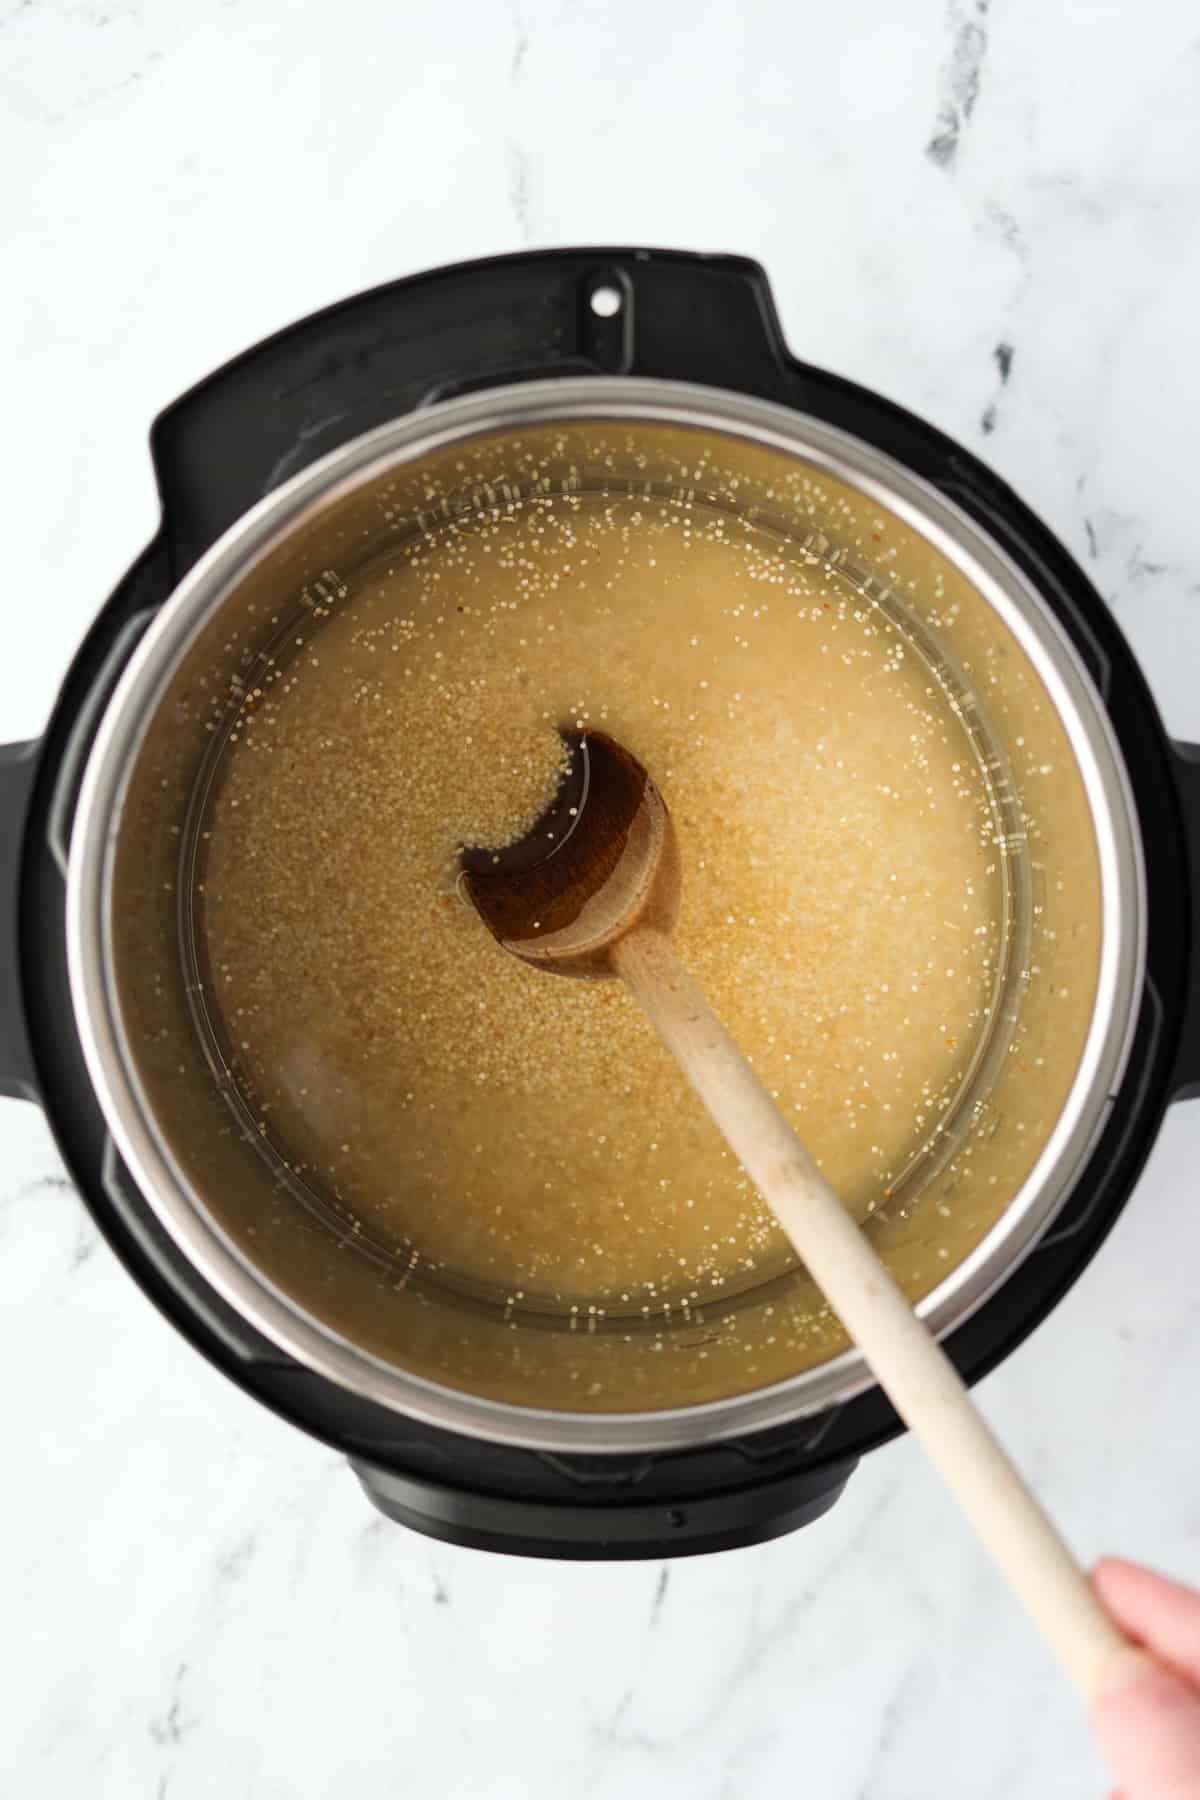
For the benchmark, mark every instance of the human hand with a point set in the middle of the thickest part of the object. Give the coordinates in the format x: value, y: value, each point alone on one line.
x: 1146, y: 1715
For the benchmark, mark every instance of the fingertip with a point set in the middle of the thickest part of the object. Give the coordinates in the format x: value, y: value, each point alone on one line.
x: 1113, y: 1572
x: 1152, y: 1609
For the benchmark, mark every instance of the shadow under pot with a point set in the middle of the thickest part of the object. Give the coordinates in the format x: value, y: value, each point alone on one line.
x: 464, y: 1220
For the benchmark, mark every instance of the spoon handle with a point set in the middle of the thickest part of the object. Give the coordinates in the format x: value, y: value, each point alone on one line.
x: 917, y: 1376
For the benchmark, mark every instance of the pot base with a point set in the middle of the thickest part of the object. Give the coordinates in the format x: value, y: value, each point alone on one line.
x: 607, y: 1522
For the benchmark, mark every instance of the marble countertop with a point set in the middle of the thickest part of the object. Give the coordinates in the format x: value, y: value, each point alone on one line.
x: 986, y: 211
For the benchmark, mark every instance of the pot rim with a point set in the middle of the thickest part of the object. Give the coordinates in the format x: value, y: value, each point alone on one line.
x: 110, y: 1063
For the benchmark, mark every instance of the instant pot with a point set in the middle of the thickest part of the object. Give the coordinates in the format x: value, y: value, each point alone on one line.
x: 404, y: 409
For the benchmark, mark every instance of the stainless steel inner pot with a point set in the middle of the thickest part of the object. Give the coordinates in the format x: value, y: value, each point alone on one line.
x: 1002, y: 1163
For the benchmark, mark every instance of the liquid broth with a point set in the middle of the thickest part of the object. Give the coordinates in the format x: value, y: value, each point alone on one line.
x: 841, y: 901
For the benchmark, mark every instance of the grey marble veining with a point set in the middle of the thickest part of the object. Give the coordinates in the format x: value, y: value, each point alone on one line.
x: 986, y: 211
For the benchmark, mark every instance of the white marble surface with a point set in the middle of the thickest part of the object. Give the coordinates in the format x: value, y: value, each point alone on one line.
x: 196, y: 1600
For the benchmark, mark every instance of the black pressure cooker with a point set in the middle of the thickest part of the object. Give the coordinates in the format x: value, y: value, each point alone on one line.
x: 266, y: 455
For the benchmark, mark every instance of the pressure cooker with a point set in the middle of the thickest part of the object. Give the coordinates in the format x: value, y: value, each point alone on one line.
x: 280, y: 476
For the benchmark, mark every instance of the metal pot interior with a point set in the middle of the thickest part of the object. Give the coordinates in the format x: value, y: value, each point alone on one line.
x: 247, y: 1109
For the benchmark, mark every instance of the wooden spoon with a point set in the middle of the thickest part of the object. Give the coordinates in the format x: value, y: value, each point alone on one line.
x: 594, y: 890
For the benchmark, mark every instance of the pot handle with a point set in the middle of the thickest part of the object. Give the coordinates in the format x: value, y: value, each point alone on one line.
x: 1185, y: 1083
x: 18, y: 768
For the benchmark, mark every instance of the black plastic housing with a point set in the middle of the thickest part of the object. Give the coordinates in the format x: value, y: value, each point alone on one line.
x: 268, y: 414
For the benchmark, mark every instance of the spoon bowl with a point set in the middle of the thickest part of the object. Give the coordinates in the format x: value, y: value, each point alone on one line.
x: 600, y: 863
